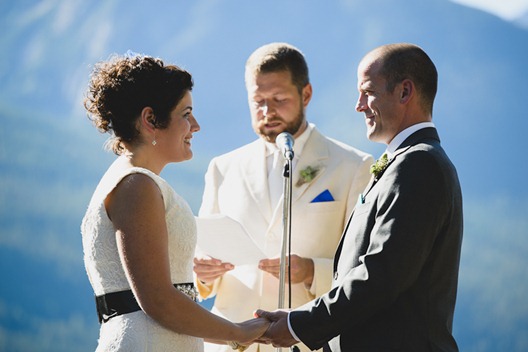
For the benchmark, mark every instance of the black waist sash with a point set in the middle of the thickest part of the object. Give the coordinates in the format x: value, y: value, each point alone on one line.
x: 113, y: 304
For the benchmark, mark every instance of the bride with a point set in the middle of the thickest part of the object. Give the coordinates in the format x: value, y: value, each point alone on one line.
x: 138, y: 233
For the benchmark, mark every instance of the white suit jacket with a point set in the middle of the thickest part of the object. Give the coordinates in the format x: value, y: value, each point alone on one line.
x: 236, y: 185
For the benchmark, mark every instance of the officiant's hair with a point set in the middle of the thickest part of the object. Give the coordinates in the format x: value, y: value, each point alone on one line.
x: 121, y: 87
x: 279, y: 57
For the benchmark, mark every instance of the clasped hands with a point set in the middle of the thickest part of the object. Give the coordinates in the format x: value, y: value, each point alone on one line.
x: 278, y: 334
x: 266, y: 328
x: 208, y: 269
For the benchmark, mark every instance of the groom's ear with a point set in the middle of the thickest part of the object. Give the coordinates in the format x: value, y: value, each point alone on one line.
x: 407, y: 91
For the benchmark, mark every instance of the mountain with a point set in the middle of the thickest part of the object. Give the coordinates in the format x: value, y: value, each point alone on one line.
x: 522, y: 20
x: 51, y: 157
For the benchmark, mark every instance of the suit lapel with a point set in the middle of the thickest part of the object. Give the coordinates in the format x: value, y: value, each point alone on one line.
x: 413, y: 139
x: 314, y: 155
x: 256, y: 178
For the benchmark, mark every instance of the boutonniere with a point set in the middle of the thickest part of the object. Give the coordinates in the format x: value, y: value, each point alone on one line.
x: 307, y: 175
x: 379, y: 166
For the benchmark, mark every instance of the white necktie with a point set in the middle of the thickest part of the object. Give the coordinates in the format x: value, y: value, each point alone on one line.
x: 275, y: 179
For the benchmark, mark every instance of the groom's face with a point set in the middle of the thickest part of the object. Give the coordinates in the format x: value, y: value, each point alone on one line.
x: 276, y: 105
x: 380, y: 106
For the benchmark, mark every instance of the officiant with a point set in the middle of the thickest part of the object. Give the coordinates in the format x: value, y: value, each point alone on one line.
x: 246, y: 184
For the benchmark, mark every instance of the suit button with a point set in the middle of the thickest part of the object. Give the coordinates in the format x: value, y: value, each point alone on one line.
x: 336, y: 275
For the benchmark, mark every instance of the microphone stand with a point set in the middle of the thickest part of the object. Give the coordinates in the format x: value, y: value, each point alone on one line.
x: 286, y: 239
x: 286, y: 234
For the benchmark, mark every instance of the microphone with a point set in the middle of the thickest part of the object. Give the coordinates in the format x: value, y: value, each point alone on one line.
x: 285, y: 142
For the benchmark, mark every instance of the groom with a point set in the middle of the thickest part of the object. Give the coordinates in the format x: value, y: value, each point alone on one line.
x: 396, y: 266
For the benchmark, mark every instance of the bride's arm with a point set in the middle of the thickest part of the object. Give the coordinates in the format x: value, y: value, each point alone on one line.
x: 137, y: 211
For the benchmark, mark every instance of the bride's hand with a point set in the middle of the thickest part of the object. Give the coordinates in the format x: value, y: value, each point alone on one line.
x: 250, y: 330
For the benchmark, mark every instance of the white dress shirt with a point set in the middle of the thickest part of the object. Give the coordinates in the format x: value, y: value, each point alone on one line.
x: 275, y: 166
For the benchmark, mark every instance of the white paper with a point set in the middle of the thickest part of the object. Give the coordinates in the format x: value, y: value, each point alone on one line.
x: 221, y: 237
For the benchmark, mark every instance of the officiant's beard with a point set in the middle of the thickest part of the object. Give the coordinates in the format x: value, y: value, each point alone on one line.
x: 292, y: 127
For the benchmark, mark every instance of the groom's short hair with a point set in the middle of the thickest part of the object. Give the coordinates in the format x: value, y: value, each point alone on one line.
x: 402, y: 61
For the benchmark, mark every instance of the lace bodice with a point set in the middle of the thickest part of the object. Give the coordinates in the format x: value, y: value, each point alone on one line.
x: 101, y: 257
x: 136, y: 331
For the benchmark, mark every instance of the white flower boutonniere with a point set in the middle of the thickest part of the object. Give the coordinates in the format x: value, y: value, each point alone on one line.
x: 381, y: 164
x: 307, y: 175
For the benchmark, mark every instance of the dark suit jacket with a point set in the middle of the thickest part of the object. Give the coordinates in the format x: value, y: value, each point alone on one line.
x: 396, y: 267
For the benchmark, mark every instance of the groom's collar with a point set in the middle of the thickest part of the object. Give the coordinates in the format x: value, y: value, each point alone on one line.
x: 402, y: 136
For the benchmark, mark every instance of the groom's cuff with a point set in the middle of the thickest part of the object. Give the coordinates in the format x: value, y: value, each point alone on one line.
x: 291, y: 330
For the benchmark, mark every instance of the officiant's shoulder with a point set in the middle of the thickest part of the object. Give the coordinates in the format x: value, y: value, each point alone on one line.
x: 346, y: 151
x: 239, y: 155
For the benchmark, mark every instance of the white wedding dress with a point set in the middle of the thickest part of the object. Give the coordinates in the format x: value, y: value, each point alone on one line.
x: 136, y: 331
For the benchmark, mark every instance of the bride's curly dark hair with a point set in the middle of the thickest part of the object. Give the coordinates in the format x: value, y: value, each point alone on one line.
x: 123, y: 86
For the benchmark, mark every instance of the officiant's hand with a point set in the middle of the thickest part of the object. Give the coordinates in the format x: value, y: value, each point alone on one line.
x: 302, y: 269
x: 208, y: 269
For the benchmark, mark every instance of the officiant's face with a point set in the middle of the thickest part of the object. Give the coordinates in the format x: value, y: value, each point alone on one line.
x: 276, y: 105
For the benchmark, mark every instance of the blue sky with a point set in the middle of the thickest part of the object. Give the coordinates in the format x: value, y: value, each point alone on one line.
x: 51, y: 157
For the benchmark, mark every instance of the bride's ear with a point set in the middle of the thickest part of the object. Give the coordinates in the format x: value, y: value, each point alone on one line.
x: 147, y: 119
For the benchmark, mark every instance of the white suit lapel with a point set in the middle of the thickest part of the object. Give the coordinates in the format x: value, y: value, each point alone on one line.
x: 314, y: 155
x: 256, y: 178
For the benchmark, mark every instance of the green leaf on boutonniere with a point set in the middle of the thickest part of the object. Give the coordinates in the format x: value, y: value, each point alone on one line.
x: 379, y: 166
x: 307, y: 175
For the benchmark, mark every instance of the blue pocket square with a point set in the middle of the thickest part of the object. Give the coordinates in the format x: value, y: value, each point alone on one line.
x: 324, y: 196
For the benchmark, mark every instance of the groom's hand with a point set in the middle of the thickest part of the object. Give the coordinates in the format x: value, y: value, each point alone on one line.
x: 208, y: 269
x: 278, y: 333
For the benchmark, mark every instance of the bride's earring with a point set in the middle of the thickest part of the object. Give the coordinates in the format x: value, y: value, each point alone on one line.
x: 152, y: 123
